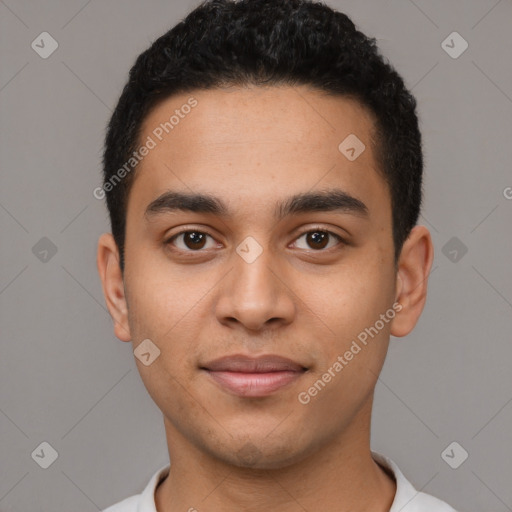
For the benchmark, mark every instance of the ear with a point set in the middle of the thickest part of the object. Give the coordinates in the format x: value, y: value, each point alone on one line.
x: 412, y: 278
x: 113, y: 285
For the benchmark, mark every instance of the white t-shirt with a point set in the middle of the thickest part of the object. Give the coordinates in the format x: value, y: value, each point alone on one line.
x: 407, y: 498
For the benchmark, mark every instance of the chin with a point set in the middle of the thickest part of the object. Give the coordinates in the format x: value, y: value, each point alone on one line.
x: 261, y: 453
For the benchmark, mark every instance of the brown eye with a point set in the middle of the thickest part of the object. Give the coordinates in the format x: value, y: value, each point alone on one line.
x: 194, y: 240
x: 190, y: 240
x: 319, y: 239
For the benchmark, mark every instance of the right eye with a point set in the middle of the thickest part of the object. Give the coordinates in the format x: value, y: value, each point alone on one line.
x: 191, y: 241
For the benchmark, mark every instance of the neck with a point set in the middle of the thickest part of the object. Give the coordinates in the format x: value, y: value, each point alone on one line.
x: 339, y: 475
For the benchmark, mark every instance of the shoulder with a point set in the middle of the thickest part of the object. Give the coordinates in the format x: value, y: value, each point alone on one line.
x: 145, y: 501
x: 423, y: 502
x: 407, y: 498
x: 127, y: 505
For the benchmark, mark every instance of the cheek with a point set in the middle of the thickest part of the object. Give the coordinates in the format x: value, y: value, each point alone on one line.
x: 347, y: 294
x: 166, y: 310
x: 160, y: 296
x: 173, y: 309
x: 345, y: 303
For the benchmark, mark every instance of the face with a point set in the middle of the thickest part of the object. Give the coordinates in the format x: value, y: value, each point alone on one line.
x: 251, y: 235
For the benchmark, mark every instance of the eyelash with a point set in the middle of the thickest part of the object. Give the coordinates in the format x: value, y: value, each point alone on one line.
x: 317, y: 229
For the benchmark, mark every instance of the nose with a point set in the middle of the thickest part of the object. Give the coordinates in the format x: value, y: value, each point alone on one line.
x: 254, y: 295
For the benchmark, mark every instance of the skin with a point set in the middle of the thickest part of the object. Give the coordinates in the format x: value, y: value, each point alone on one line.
x: 253, y: 147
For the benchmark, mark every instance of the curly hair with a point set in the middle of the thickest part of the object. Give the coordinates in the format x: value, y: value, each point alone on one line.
x: 272, y: 42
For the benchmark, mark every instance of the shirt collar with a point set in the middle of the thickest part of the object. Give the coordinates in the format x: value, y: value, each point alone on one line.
x: 405, y: 492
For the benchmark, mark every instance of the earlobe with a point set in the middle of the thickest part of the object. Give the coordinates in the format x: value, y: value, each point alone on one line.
x: 412, y: 279
x: 107, y: 261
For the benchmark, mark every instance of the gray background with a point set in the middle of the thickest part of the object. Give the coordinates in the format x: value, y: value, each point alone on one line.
x: 66, y: 380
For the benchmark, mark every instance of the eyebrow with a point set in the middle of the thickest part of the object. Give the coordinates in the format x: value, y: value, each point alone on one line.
x: 317, y: 201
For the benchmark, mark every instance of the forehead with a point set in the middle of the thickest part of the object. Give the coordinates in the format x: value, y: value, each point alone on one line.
x: 256, y: 146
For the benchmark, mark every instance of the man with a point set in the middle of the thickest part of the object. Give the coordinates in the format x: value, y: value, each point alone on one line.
x: 263, y: 173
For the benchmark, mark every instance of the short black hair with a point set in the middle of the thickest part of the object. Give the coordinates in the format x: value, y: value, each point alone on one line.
x: 226, y: 43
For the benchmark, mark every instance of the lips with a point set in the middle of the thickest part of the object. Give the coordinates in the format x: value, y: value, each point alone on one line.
x: 253, y: 377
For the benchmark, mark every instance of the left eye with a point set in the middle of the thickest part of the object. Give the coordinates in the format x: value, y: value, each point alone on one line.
x: 319, y: 239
